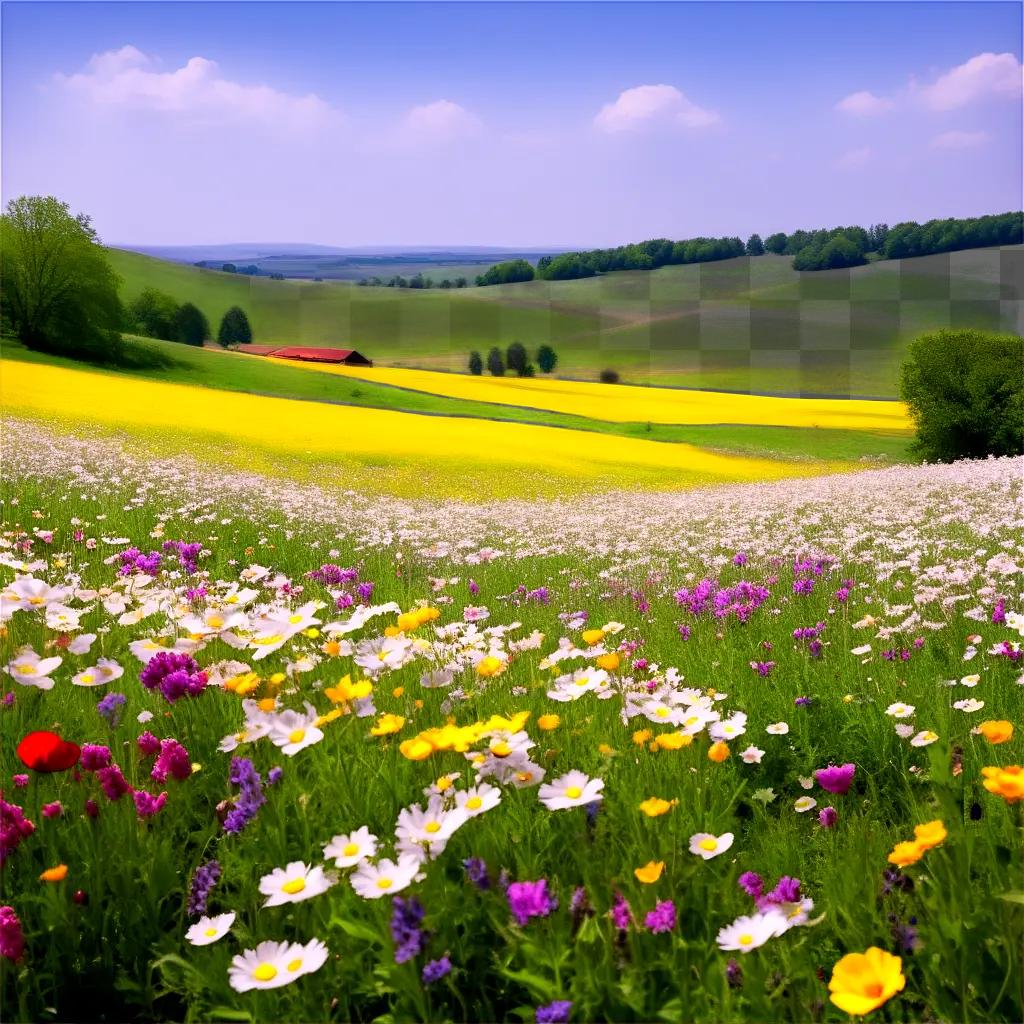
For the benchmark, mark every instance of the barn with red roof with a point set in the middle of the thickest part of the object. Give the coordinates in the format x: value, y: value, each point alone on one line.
x: 346, y: 356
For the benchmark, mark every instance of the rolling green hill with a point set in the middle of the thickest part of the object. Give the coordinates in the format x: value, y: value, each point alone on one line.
x: 745, y: 324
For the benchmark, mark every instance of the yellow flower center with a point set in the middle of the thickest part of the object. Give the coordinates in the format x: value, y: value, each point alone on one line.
x: 210, y: 932
x: 350, y: 850
x: 296, y: 735
x: 432, y: 826
x: 215, y: 621
x: 474, y: 802
x: 37, y: 600
x: 26, y: 670
x: 87, y: 677
x: 294, y: 886
x: 874, y: 989
x: 745, y: 939
x: 265, y: 972
x: 583, y: 680
x: 662, y: 712
x: 501, y: 749
x: 384, y: 883
x: 574, y: 792
x: 708, y: 844
x: 294, y: 619
x: 294, y: 965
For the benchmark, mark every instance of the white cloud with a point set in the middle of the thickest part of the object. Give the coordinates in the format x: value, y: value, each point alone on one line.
x: 959, y: 140
x: 864, y: 104
x: 646, y: 104
x: 440, y: 121
x: 854, y: 157
x: 987, y: 74
x: 129, y: 79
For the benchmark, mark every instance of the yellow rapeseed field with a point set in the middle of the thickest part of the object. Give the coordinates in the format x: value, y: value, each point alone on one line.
x: 630, y: 404
x: 462, y: 457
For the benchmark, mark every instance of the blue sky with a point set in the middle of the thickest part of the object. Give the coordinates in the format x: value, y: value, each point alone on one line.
x: 509, y: 124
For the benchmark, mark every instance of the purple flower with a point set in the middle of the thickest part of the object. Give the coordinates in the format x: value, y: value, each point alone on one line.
x: 14, y: 827
x: 94, y: 757
x: 12, y: 941
x: 435, y: 970
x: 803, y: 702
x: 621, y: 915
x: 365, y: 591
x: 113, y: 782
x: 406, y: 917
x: 739, y: 558
x: 685, y: 631
x: 148, y: 744
x: 147, y: 805
x: 554, y: 1013
x: 188, y: 554
x: 203, y: 881
x: 476, y: 872
x: 786, y: 891
x: 474, y: 587
x: 275, y: 775
x: 53, y: 810
x: 250, y: 798
x: 762, y: 668
x: 110, y: 708
x: 734, y: 973
x: 176, y: 675
x: 530, y: 899
x: 333, y: 575
x: 751, y: 883
x: 173, y: 760
x: 134, y: 561
x: 344, y: 601
x: 836, y: 778
x: 999, y: 612
x: 20, y: 781
x: 662, y: 918
x: 827, y: 817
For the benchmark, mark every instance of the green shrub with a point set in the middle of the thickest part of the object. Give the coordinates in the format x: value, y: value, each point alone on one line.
x: 965, y: 391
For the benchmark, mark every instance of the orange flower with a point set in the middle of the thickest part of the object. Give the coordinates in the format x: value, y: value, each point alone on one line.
x: 641, y: 736
x: 673, y: 741
x: 718, y: 752
x: 57, y: 874
x: 609, y: 662
x: 592, y: 636
x: 655, y: 806
x: 416, y: 749
x: 861, y: 982
x: 930, y: 834
x: 904, y: 854
x: 1006, y: 782
x: 996, y: 730
x: 650, y: 872
x: 548, y: 722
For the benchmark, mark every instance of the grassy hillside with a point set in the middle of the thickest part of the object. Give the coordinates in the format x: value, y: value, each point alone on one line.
x: 749, y: 325
x: 229, y: 371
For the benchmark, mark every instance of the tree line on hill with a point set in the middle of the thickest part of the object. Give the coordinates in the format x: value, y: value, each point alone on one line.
x: 416, y: 281
x: 155, y: 314
x: 823, y: 249
x: 231, y: 268
x: 516, y: 360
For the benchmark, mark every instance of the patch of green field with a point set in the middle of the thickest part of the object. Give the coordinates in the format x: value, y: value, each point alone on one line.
x: 746, y: 325
x: 231, y: 372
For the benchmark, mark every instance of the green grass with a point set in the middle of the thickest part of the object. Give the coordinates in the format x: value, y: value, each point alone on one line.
x: 737, y: 325
x: 232, y: 372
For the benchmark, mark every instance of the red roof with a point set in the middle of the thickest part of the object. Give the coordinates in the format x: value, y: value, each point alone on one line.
x: 320, y: 355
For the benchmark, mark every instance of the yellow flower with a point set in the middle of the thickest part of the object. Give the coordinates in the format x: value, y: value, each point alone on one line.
x: 592, y: 636
x: 277, y: 679
x: 398, y: 691
x: 391, y: 631
x: 548, y: 722
x: 906, y: 853
x: 331, y: 716
x: 346, y: 690
x: 243, y: 684
x: 407, y: 622
x: 641, y: 736
x: 489, y: 666
x: 609, y: 662
x: 57, y: 874
x: 604, y: 748
x: 861, y: 982
x: 387, y: 724
x: 718, y: 752
x: 312, y: 632
x: 416, y: 749
x: 996, y: 731
x: 1006, y: 782
x: 650, y: 872
x: 930, y: 834
x: 331, y: 648
x: 654, y: 806
x: 673, y: 741
x: 267, y: 703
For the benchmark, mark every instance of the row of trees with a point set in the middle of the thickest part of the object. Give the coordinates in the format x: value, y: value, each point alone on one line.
x: 516, y: 360
x: 232, y: 268
x: 156, y: 314
x: 822, y: 249
x: 416, y: 281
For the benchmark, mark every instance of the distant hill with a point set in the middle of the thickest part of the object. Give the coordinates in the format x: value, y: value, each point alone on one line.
x: 747, y: 324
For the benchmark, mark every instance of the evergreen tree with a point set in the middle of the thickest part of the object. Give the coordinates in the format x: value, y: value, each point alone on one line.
x: 547, y: 358
x: 476, y: 364
x: 191, y: 327
x: 516, y: 359
x: 495, y: 364
x: 234, y: 328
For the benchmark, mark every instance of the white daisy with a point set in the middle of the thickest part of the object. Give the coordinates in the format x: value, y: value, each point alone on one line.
x: 293, y: 884
x: 705, y: 845
x: 970, y: 681
x: 372, y: 881
x: 349, y: 850
x: 436, y: 824
x: 923, y: 738
x: 970, y: 705
x: 273, y: 964
x: 27, y: 668
x: 804, y: 804
x: 747, y: 933
x: 209, y: 929
x: 752, y: 755
x: 777, y: 728
x: 478, y: 799
x: 293, y: 731
x: 571, y: 790
x: 899, y: 710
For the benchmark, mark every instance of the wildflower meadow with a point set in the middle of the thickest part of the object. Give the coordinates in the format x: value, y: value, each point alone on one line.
x: 277, y: 752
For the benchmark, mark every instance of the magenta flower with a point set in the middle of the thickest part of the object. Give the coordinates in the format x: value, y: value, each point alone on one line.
x: 53, y: 810
x: 836, y: 778
x: 113, y: 782
x: 146, y: 805
x: 662, y: 918
x: 827, y: 817
x: 95, y: 757
x: 12, y: 941
x: 530, y: 899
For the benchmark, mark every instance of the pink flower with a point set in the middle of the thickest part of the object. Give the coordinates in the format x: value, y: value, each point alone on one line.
x: 836, y: 778
x: 53, y: 810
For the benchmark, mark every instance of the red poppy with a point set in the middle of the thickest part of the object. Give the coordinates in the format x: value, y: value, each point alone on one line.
x: 47, y: 752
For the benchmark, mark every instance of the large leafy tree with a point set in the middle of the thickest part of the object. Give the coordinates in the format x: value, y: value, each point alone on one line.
x: 965, y: 392
x: 191, y: 327
x: 234, y: 328
x: 154, y: 314
x: 59, y: 290
x: 547, y: 358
